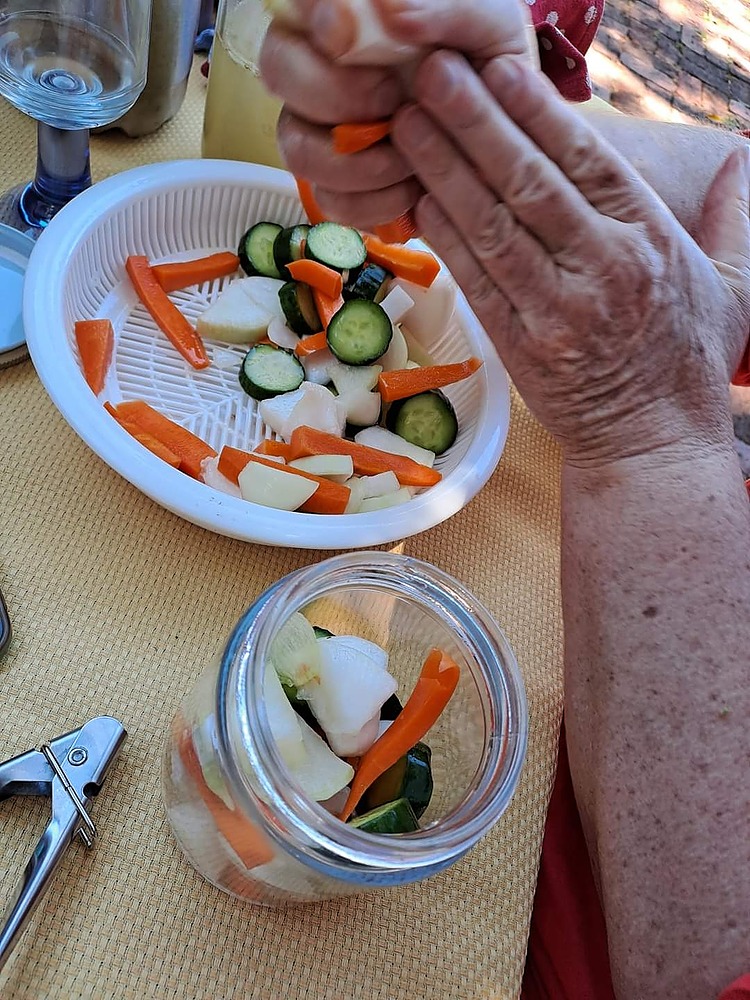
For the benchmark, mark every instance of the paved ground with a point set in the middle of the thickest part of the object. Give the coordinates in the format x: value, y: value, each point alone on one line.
x: 676, y: 60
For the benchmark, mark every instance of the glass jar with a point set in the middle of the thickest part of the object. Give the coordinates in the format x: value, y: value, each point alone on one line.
x: 233, y: 807
x: 240, y: 117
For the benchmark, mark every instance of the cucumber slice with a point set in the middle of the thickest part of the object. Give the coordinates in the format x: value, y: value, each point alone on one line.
x: 256, y: 250
x: 370, y: 282
x: 298, y: 306
x: 393, y: 817
x: 289, y: 246
x: 409, y: 778
x: 391, y: 709
x: 336, y: 246
x: 322, y: 633
x: 359, y: 333
x: 268, y: 371
x: 427, y: 420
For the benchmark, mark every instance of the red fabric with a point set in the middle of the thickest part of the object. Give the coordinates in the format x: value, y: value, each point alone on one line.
x: 567, y: 955
x: 565, y: 30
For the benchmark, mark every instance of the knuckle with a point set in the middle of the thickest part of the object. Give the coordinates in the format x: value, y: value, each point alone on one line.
x: 494, y: 236
x: 529, y: 181
x: 481, y: 292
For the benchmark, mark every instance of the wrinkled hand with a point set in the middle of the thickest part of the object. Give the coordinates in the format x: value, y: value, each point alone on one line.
x: 619, y: 331
x: 376, y: 185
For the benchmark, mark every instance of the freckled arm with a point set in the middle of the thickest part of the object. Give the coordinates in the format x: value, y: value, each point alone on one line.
x: 656, y: 600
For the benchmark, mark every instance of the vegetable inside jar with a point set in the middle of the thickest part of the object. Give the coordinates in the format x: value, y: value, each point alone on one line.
x: 265, y: 754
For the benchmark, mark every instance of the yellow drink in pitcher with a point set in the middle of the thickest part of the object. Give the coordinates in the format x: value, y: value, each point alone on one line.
x: 240, y: 117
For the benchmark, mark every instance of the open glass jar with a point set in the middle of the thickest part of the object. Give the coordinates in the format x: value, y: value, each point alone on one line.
x: 232, y: 804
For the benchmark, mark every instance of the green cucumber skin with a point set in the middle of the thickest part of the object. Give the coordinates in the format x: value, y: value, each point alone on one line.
x: 254, y: 359
x: 409, y: 778
x: 338, y: 247
x: 289, y: 297
x: 345, y: 335
x: 370, y: 282
x: 288, y: 247
x: 249, y: 261
x: 437, y: 439
x: 389, y: 818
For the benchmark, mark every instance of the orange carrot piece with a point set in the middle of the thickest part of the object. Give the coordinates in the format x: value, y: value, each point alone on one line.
x: 367, y: 461
x: 327, y: 306
x: 310, y: 272
x: 417, y: 266
x: 165, y: 313
x: 182, y: 273
x: 308, y: 202
x: 96, y: 342
x: 399, y: 231
x: 245, y: 838
x: 403, y: 382
x: 309, y: 345
x: 143, y: 437
x: 278, y: 448
x: 189, y: 448
x: 352, y: 137
x: 432, y: 692
x: 329, y: 498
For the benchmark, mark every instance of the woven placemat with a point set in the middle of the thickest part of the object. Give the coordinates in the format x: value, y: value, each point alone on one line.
x: 118, y: 604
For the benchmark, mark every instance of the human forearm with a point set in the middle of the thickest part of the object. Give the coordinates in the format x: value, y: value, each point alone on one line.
x: 678, y: 161
x: 656, y: 585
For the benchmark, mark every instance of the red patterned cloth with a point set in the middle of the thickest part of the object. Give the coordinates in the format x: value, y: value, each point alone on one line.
x: 565, y: 30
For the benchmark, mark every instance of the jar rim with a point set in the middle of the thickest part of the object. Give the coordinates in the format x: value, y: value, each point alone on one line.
x: 305, y: 828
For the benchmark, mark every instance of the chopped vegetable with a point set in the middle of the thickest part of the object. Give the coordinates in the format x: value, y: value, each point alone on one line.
x: 391, y: 709
x: 409, y: 778
x: 311, y: 405
x: 432, y: 692
x: 308, y: 202
x: 325, y: 279
x: 147, y: 440
x: 359, y: 332
x: 411, y: 381
x: 243, y: 311
x: 280, y: 449
x: 385, y: 440
x: 399, y: 231
x: 340, y: 467
x: 397, y: 303
x: 368, y: 461
x: 165, y: 313
x: 427, y: 420
x: 267, y: 371
x: 310, y: 345
x: 269, y: 484
x: 294, y: 652
x: 321, y: 774
x: 216, y: 480
x: 417, y: 266
x: 379, y: 485
x: 95, y: 339
x: 299, y: 308
x: 353, y: 137
x: 328, y: 498
x: 289, y: 246
x: 390, y: 818
x: 182, y: 273
x: 189, y: 448
x: 255, y: 251
x: 386, y: 500
x: 397, y: 355
x: 336, y: 246
x: 326, y: 306
x: 282, y: 719
x: 369, y: 282
x: 280, y: 334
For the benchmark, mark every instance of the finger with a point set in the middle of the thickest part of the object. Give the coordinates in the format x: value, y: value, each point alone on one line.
x: 369, y: 210
x: 724, y: 232
x: 507, y: 251
x: 492, y: 308
x: 320, y: 91
x: 482, y: 29
x: 308, y: 152
x: 519, y: 173
x: 589, y: 163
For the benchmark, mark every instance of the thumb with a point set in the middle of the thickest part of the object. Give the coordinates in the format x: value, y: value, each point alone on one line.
x: 724, y: 228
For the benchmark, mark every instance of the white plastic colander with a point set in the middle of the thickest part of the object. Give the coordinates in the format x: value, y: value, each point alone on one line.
x: 183, y: 209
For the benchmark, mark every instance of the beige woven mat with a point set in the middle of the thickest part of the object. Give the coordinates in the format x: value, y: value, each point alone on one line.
x: 117, y: 604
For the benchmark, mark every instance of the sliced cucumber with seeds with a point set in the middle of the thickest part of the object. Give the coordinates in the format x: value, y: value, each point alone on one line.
x: 289, y: 246
x: 339, y: 247
x: 256, y: 250
x: 427, y: 420
x: 393, y: 817
x: 299, y: 310
x: 370, y: 282
x: 268, y: 371
x: 359, y: 333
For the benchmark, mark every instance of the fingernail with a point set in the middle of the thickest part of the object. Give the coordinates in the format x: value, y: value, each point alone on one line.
x: 505, y: 72
x: 444, y: 76
x: 331, y: 29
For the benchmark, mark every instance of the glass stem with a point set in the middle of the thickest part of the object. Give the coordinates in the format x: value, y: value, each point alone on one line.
x: 62, y: 171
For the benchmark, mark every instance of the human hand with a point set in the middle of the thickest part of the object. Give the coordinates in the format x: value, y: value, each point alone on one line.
x: 376, y: 185
x: 620, y: 332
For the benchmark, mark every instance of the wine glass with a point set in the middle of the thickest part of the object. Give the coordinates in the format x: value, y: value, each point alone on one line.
x: 71, y: 65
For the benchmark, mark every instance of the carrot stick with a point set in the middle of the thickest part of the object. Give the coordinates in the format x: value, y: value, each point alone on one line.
x: 329, y: 498
x: 278, y: 448
x: 165, y: 313
x: 147, y: 440
x: 189, y: 448
x: 307, y: 199
x: 403, y: 382
x: 182, y: 273
x: 327, y: 306
x: 325, y: 279
x: 367, y: 461
x: 309, y: 345
x: 431, y: 694
x: 352, y: 137
x: 417, y: 266
x: 399, y: 231
x: 246, y: 839
x: 96, y: 342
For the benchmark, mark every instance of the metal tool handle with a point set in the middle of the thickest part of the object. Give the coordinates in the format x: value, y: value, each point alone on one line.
x: 34, y: 881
